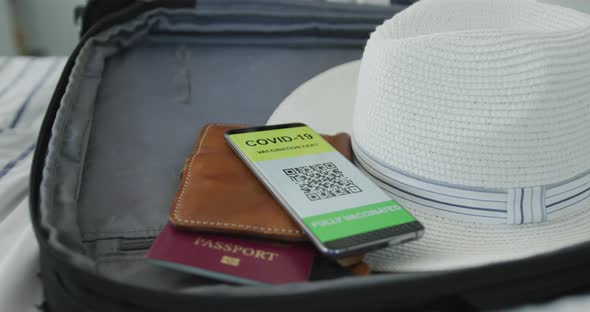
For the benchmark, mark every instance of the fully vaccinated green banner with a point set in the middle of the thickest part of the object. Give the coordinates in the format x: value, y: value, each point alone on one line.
x: 343, y: 223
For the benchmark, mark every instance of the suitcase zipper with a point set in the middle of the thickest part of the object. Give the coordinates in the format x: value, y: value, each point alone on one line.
x: 135, y: 244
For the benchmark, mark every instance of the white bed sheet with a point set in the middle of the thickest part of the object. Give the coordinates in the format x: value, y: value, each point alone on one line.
x: 26, y: 86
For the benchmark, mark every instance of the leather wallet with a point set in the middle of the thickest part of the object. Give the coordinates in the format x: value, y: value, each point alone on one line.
x: 219, y: 193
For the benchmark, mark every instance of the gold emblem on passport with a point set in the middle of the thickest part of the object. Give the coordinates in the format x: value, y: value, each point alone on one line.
x: 230, y: 261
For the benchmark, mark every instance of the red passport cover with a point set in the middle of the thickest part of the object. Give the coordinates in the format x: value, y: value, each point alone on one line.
x: 232, y: 259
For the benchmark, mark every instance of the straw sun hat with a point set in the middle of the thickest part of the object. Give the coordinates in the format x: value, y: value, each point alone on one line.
x: 475, y: 116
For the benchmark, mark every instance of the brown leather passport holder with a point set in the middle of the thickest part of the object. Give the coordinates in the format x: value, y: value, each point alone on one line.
x: 219, y: 193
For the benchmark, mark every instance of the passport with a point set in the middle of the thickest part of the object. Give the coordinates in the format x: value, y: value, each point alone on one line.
x: 232, y: 259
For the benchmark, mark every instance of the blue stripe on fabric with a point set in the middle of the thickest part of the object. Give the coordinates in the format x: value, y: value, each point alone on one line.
x: 556, y: 210
x: 569, y: 190
x: 17, y: 78
x: 363, y: 163
x: 459, y: 187
x: 566, y: 199
x: 475, y: 199
x: 451, y: 211
x: 11, y: 164
x: 36, y: 88
x: 445, y: 203
x: 521, y: 209
x: 438, y: 201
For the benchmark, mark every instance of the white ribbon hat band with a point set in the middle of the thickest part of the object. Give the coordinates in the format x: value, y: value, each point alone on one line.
x: 492, y: 206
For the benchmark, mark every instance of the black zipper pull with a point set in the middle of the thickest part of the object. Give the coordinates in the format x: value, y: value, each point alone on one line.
x: 135, y: 244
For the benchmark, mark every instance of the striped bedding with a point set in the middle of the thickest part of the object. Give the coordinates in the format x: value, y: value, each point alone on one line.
x: 26, y: 85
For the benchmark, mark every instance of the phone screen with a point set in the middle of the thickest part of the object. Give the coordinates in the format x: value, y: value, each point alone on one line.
x: 326, y: 194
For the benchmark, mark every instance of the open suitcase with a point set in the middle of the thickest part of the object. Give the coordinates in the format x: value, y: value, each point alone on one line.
x: 145, y: 77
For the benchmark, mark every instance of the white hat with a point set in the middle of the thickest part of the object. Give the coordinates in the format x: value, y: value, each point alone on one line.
x: 475, y: 116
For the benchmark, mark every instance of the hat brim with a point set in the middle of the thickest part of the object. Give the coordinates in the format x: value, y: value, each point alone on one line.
x: 326, y: 103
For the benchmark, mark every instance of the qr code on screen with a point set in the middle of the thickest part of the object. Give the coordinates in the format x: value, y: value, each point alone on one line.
x: 322, y: 181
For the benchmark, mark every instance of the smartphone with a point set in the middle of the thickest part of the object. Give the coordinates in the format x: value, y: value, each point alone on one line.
x: 341, y: 210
